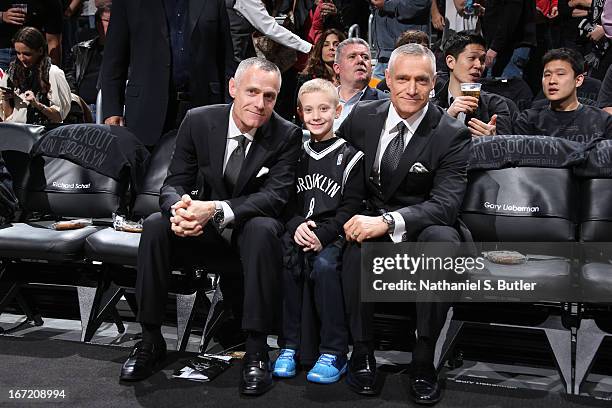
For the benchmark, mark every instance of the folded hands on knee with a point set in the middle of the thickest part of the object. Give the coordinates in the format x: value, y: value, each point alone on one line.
x: 190, y: 216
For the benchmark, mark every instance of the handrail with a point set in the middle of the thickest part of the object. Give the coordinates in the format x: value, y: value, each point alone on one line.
x: 370, y: 21
x: 99, y: 108
x: 353, y: 31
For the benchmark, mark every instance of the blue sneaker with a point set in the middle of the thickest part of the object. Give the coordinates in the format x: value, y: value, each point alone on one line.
x: 285, y: 364
x: 328, y: 369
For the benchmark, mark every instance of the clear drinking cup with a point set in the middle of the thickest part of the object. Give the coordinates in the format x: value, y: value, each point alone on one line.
x: 471, y: 89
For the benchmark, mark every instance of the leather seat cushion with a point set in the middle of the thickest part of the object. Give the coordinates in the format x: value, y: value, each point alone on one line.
x: 35, y: 240
x: 596, y: 282
x: 552, y: 276
x: 115, y: 247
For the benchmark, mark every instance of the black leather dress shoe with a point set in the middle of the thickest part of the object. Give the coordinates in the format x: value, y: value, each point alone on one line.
x: 256, y: 378
x: 425, y: 390
x: 143, y: 361
x: 361, y: 376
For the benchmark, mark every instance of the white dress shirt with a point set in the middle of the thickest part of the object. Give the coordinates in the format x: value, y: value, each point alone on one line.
x: 388, y: 133
x: 255, y: 12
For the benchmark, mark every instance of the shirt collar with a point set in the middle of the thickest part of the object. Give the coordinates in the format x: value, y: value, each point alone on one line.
x: 449, y: 97
x: 233, y: 131
x: 358, y: 95
x: 412, y: 122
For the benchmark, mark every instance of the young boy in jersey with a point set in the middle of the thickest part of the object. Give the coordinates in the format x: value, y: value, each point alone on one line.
x: 329, y: 191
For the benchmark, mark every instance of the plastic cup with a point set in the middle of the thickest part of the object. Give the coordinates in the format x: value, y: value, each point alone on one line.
x: 22, y: 6
x: 471, y: 89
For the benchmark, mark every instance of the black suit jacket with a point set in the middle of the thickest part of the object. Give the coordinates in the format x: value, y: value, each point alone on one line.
x: 440, y: 143
x: 373, y: 94
x: 200, y: 150
x: 138, y: 50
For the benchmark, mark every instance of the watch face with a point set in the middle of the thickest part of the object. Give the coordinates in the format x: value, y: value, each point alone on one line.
x: 218, y: 217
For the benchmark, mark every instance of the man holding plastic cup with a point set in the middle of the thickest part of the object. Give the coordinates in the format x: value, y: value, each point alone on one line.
x: 482, y: 112
x: 44, y: 15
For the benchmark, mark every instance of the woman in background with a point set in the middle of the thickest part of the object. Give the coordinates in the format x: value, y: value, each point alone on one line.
x: 321, y: 59
x: 33, y: 90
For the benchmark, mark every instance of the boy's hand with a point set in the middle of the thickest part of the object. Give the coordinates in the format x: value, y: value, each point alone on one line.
x: 305, y: 238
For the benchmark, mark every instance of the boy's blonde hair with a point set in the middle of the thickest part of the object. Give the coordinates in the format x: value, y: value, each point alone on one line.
x: 319, y: 85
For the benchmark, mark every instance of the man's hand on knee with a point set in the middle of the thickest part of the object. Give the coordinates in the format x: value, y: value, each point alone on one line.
x: 183, y: 227
x: 190, y: 216
x: 200, y: 212
x: 362, y: 227
x: 183, y: 203
x: 182, y: 220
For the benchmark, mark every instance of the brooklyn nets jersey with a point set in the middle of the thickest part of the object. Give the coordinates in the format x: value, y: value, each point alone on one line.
x: 321, y: 177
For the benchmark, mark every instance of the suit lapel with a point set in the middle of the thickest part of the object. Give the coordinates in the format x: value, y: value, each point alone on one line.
x: 195, y: 9
x: 161, y: 17
x: 417, y: 144
x: 442, y: 97
x: 373, y: 129
x: 255, y: 158
x: 217, y: 142
x: 368, y: 94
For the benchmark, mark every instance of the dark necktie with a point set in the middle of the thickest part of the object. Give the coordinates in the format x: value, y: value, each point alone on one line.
x: 234, y: 163
x: 392, y: 155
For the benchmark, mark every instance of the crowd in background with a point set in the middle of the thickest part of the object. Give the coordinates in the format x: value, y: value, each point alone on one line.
x: 63, y: 74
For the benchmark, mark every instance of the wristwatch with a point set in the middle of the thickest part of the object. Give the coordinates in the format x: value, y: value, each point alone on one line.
x: 218, y: 216
x: 390, y: 221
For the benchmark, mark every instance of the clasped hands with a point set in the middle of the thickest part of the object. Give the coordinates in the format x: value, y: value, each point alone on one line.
x: 190, y: 216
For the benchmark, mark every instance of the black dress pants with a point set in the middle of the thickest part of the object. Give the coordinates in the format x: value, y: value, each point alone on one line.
x: 430, y: 317
x: 322, y: 269
x: 257, y: 245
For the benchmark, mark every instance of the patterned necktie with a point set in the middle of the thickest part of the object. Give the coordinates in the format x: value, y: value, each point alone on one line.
x: 392, y: 155
x: 234, y: 163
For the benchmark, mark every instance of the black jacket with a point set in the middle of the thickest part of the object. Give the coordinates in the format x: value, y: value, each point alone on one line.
x: 200, y: 149
x: 8, y: 200
x: 509, y: 24
x: 373, y: 94
x: 440, y: 143
x: 80, y: 56
x: 138, y: 51
x: 489, y: 104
